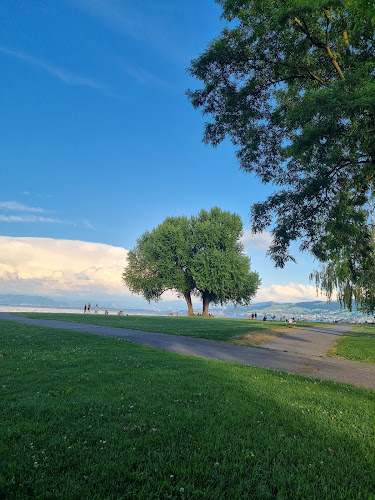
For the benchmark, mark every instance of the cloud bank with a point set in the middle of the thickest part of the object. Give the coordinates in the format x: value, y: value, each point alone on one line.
x: 292, y: 292
x: 52, y: 268
x: 46, y: 266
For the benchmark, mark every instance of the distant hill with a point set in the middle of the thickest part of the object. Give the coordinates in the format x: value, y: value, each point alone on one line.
x: 28, y: 300
x: 315, y: 305
x: 314, y: 310
x: 129, y: 301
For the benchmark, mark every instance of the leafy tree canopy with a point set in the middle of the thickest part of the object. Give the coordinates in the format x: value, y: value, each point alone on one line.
x: 200, y: 256
x: 292, y: 84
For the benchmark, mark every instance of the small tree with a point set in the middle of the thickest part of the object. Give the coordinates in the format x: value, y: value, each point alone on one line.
x: 200, y: 256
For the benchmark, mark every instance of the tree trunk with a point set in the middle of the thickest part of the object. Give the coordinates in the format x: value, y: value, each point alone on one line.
x: 206, y: 303
x: 372, y: 211
x: 189, y: 304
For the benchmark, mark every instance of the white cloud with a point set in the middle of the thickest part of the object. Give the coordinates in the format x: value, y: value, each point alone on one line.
x: 19, y: 207
x: 261, y: 241
x: 44, y: 265
x: 63, y: 75
x: 15, y: 206
x: 292, y: 292
x: 49, y: 267
x: 29, y: 218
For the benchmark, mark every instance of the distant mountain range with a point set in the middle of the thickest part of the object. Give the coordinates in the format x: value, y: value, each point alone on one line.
x: 313, y: 306
x: 129, y: 301
x: 314, y: 310
x: 29, y: 300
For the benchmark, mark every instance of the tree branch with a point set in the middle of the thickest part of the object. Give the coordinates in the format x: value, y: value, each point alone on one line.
x: 311, y: 74
x: 344, y: 163
x: 334, y: 62
x: 314, y: 77
x: 319, y: 45
x: 306, y: 30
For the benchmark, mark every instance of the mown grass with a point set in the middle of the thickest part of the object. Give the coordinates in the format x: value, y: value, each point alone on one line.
x: 241, y: 331
x: 357, y: 344
x: 90, y: 417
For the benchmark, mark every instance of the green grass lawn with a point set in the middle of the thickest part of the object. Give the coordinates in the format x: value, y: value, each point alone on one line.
x: 90, y: 417
x: 241, y: 331
x: 357, y: 344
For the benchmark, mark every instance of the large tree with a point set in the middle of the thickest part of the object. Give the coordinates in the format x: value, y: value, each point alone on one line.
x: 292, y: 84
x: 200, y: 256
x: 220, y: 269
x: 161, y: 261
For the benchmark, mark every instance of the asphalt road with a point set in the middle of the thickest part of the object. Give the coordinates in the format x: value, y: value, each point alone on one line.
x: 301, y: 351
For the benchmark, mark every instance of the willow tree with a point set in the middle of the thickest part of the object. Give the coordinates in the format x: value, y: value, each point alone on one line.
x: 200, y: 256
x: 292, y: 84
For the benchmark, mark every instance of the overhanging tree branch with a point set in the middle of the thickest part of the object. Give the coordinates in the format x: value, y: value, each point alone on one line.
x: 315, y: 146
x: 319, y: 45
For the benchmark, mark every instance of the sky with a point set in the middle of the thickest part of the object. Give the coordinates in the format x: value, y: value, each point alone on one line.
x: 99, y: 143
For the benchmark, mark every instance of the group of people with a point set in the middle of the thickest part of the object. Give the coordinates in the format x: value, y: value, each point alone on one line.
x: 290, y: 320
x: 272, y: 318
x: 87, y: 309
x: 282, y: 318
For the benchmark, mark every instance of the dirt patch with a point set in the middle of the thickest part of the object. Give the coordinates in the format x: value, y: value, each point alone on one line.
x: 254, y: 339
x: 257, y: 338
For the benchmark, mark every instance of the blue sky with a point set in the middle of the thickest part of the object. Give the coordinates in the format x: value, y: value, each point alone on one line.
x: 98, y: 140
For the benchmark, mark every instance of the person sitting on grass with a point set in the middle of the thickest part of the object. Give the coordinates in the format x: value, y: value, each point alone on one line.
x: 120, y: 313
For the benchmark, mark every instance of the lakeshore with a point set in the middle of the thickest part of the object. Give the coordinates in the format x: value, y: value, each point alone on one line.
x: 239, y: 313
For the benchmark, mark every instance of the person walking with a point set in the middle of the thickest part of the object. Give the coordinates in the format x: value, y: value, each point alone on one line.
x: 85, y: 308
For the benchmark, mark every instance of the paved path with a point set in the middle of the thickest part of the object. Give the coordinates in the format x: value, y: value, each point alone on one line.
x: 275, y: 355
x: 312, y: 341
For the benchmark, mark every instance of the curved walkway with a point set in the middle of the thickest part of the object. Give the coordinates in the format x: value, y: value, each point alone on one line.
x: 301, y: 352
